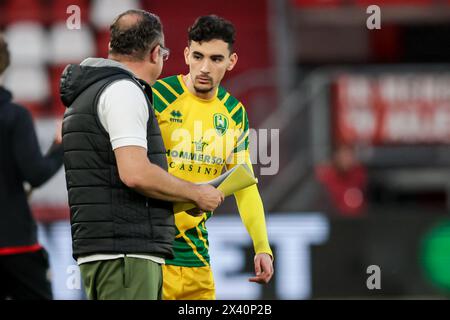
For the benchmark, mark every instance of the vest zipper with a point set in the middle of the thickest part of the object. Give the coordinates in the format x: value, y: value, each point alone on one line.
x: 146, y: 202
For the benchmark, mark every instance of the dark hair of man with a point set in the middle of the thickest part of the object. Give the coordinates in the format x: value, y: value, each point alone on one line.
x: 207, y: 28
x: 135, y: 33
x: 4, y: 55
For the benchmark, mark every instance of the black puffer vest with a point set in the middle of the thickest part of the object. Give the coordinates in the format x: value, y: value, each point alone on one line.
x: 106, y: 215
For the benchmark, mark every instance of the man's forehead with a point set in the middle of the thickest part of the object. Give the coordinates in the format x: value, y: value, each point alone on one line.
x: 212, y: 47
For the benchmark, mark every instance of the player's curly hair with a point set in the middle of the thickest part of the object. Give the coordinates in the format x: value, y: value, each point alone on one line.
x: 207, y: 28
x: 135, y: 38
x: 4, y: 55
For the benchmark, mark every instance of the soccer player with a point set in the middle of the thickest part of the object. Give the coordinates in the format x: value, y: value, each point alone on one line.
x: 205, y: 129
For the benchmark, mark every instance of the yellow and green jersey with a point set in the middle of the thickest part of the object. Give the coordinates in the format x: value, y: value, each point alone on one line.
x: 202, y: 137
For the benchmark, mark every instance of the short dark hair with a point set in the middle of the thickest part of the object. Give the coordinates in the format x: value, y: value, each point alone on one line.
x: 135, y: 38
x: 4, y: 55
x: 207, y: 28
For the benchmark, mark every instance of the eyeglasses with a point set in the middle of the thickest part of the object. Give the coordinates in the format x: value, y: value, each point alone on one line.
x: 164, y: 52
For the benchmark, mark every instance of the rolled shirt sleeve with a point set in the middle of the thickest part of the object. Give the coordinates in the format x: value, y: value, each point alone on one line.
x: 123, y: 112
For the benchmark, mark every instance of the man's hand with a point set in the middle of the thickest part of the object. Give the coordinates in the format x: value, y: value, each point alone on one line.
x: 263, y: 268
x: 207, y: 197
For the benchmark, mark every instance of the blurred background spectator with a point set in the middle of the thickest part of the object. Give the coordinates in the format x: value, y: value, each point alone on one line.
x: 344, y: 183
x: 24, y: 265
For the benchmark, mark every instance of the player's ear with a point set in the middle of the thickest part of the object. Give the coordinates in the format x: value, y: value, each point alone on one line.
x: 186, y: 55
x: 233, y: 61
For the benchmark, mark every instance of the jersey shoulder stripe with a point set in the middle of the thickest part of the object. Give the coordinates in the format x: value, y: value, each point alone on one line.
x: 237, y: 116
x: 241, y: 119
x: 221, y: 93
x: 164, y: 92
x: 159, y: 103
x: 231, y: 103
x: 174, y: 83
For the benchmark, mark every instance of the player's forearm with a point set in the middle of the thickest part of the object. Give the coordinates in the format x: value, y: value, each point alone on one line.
x: 251, y: 210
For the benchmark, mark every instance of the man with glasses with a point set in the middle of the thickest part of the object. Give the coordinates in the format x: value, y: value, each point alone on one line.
x: 120, y: 193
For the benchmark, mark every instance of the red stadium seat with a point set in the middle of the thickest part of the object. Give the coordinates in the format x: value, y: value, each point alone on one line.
x: 57, y: 107
x: 367, y: 3
x: 2, y: 14
x: 23, y: 10
x: 102, y: 44
x: 317, y: 3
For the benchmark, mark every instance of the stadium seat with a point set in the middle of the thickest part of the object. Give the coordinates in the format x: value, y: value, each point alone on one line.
x: 2, y: 15
x: 23, y: 10
x: 57, y: 107
x: 316, y: 3
x: 29, y: 85
x: 27, y: 42
x: 102, y: 44
x: 103, y: 12
x: 366, y: 3
x: 67, y: 46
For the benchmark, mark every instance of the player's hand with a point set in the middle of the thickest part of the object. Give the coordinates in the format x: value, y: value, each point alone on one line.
x: 207, y: 197
x: 263, y: 268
